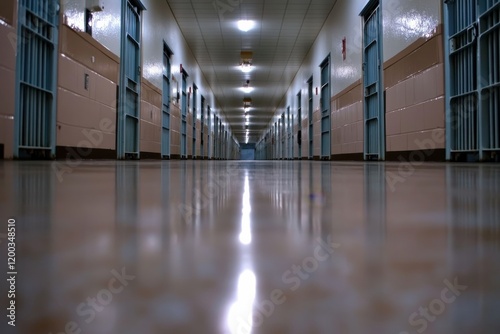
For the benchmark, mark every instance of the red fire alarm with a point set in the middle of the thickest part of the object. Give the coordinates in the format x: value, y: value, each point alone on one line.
x: 344, y: 49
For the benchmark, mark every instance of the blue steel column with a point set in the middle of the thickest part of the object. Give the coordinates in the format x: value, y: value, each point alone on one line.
x: 447, y: 72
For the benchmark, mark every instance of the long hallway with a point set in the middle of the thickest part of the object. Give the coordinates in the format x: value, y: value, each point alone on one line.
x: 253, y: 247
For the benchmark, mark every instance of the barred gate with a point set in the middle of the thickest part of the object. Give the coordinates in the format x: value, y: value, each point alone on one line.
x: 36, y: 79
x: 374, y: 115
x: 325, y: 109
x: 130, y: 81
x: 165, y: 122
x: 472, y: 79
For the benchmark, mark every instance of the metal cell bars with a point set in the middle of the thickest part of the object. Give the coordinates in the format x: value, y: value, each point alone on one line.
x: 216, y: 137
x: 184, y: 115
x: 299, y: 134
x: 209, y: 129
x: 220, y: 139
x: 310, y: 116
x: 325, y: 108
x: 462, y: 82
x: 283, y: 136
x: 489, y: 76
x: 289, y: 134
x: 36, y: 78
x: 130, y: 82
x: 277, y: 141
x: 202, y: 136
x: 374, y: 147
x: 292, y: 139
x: 165, y: 135
x: 195, y: 115
x: 473, y: 78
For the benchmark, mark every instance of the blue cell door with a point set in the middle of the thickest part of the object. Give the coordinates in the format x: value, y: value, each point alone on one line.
x: 195, y: 115
x: 310, y: 116
x: 184, y: 115
x: 130, y: 82
x: 165, y: 132
x: 472, y: 30
x: 202, y: 136
x: 209, y: 137
x: 289, y: 124
x: 216, y: 137
x: 36, y: 79
x: 325, y: 108
x: 374, y: 115
x: 299, y: 134
x: 221, y: 141
x: 283, y: 136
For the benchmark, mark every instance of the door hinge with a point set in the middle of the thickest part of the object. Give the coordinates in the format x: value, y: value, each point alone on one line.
x: 472, y: 33
x: 453, y: 45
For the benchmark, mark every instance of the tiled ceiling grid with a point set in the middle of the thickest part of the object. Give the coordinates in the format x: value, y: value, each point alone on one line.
x: 284, y: 33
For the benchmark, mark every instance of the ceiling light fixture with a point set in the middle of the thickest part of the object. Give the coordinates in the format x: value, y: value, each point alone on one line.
x: 246, y: 61
x: 246, y: 88
x: 246, y: 25
x: 246, y: 67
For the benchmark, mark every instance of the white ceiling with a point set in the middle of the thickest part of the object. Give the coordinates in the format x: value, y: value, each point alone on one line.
x: 284, y: 33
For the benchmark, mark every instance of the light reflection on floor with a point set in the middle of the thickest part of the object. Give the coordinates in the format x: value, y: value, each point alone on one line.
x: 253, y: 247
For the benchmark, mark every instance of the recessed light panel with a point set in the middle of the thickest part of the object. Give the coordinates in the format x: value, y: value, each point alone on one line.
x: 246, y: 25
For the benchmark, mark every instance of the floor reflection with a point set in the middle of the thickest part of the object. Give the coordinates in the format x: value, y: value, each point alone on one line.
x: 206, y: 245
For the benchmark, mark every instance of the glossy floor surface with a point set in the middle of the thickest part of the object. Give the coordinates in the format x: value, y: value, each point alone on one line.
x: 252, y: 247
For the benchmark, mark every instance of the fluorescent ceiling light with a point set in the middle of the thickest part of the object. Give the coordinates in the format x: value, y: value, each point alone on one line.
x: 247, y: 90
x: 246, y: 25
x: 246, y: 68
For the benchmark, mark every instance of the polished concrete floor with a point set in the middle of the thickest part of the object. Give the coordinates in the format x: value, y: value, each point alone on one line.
x: 252, y: 247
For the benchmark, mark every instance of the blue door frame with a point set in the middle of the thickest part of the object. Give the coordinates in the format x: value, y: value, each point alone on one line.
x: 209, y: 137
x: 299, y: 133
x: 128, y: 127
x: 289, y: 141
x: 374, y: 110
x: 184, y: 98
x: 472, y: 72
x: 310, y: 117
x: 202, y: 136
x: 195, y: 115
x: 36, y: 79
x: 325, y: 109
x: 283, y: 136
x: 165, y: 132
x: 216, y: 137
